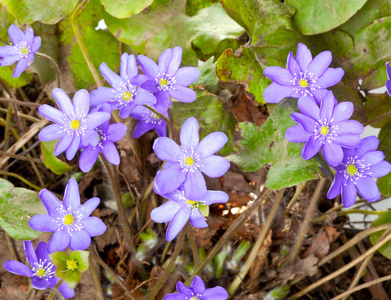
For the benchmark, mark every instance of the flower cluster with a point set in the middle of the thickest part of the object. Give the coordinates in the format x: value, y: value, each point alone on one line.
x: 23, y: 50
x: 197, y: 291
x: 181, y: 180
x: 69, y: 221
x: 323, y: 124
x: 40, y: 269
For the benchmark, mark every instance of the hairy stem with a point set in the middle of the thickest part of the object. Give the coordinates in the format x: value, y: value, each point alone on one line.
x: 193, y: 245
x: 11, y: 247
x: 4, y: 173
x: 165, y: 119
x: 253, y: 254
x: 112, y: 273
x: 231, y: 230
x: 382, y: 116
x: 29, y: 294
x: 114, y: 181
x: 83, y: 49
x: 52, y: 61
x: 95, y: 279
x: 156, y: 288
x: 299, y: 189
x: 304, y: 227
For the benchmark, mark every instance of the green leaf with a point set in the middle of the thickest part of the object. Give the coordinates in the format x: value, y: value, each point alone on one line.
x: 376, y: 105
x: 203, y: 208
x: 385, y: 140
x: 74, y: 279
x: 208, y: 79
x: 125, y: 9
x: 384, y: 218
x: 384, y: 185
x: 6, y: 19
x: 166, y: 25
x: 322, y: 15
x: 241, y: 250
x: 219, y: 261
x: 49, y: 46
x: 17, y: 206
x: 22, y: 80
x: 272, y: 36
x: 280, y: 292
x: 59, y: 259
x: 372, y: 10
x: 127, y: 200
x: 82, y: 259
x: 100, y: 44
x: 193, y: 6
x: 267, y: 145
x: 242, y: 67
x: 48, y: 12
x: 210, y: 113
x: 56, y: 165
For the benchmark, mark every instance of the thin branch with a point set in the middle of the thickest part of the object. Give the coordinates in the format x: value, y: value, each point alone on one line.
x: 304, y: 226
x: 382, y: 116
x: 253, y: 254
x: 21, y: 179
x: 21, y: 157
x: 362, y: 286
x: 156, y: 288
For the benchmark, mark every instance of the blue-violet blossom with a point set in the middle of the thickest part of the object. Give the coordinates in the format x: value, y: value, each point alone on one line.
x: 186, y: 162
x: 355, y: 172
x: 327, y: 128
x: 74, y: 125
x: 122, y: 95
x: 23, y: 50
x: 165, y: 79
x: 304, y: 76
x: 179, y: 209
x: 388, y: 82
x: 40, y: 269
x: 70, y: 221
x: 197, y: 291
x: 108, y: 135
x: 148, y: 120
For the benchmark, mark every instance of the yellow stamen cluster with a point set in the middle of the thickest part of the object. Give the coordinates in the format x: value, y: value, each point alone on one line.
x: 163, y: 81
x: 25, y: 50
x: 324, y: 130
x: 303, y: 83
x: 127, y: 96
x: 41, y: 272
x: 69, y: 220
x: 352, y: 170
x: 191, y: 202
x: 71, y: 264
x: 189, y: 161
x: 75, y: 124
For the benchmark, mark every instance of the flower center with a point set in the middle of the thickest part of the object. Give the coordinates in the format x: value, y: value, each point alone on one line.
x: 194, y: 298
x: 163, y: 81
x: 41, y: 272
x: 24, y: 50
x: 303, y: 83
x: 324, y: 130
x: 75, y: 124
x: 71, y: 264
x: 189, y: 161
x: 127, y: 96
x: 69, y: 219
x: 352, y: 170
x: 191, y: 202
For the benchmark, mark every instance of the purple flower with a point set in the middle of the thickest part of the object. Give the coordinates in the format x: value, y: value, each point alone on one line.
x: 186, y: 162
x: 25, y: 45
x: 108, y: 134
x: 303, y: 76
x: 166, y: 79
x: 197, y: 291
x: 355, y: 172
x: 122, y: 95
x: 327, y: 128
x: 388, y: 82
x: 70, y: 221
x: 40, y: 269
x: 148, y: 120
x: 74, y: 126
x: 180, y: 208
